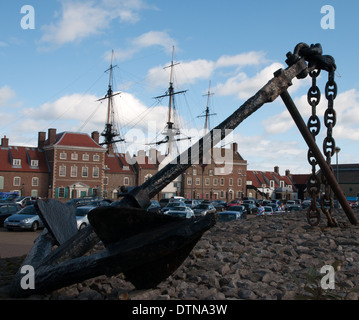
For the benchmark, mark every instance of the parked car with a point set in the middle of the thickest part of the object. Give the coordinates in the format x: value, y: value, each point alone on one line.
x: 203, y: 209
x: 79, y: 202
x: 171, y: 205
x: 99, y: 203
x: 81, y: 216
x: 154, y: 206
x: 191, y: 203
x: 164, y: 202
x: 251, y: 208
x: 294, y: 207
x: 180, y: 211
x: 220, y: 205
x: 239, y: 209
x: 25, y: 201
x: 26, y: 218
x: 234, y: 203
x: 225, y: 216
x: 268, y: 211
x: 8, y: 209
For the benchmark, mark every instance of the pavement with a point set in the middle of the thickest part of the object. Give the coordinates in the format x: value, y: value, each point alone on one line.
x: 16, y: 243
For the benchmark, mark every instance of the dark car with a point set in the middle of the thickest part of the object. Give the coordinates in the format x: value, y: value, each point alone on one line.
x: 154, y: 206
x: 226, y: 216
x: 8, y: 209
x: 251, y: 208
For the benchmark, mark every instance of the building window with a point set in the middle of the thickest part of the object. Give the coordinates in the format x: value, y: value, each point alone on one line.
x: 17, y: 181
x: 61, y: 192
x: 222, y: 194
x: 239, y: 182
x: 63, y: 156
x: 207, y: 181
x: 239, y: 171
x: 281, y: 184
x: 105, y: 181
x: 230, y: 181
x: 96, y: 157
x: 85, y: 171
x: 74, y: 156
x: 85, y: 157
x: 35, y: 182
x: 271, y: 184
x: 62, y: 171
x: 34, y: 193
x: 198, y: 181
x: 95, y: 172
x: 215, y: 181
x: 210, y: 172
x: 126, y: 181
x: 34, y: 163
x: 189, y: 181
x: 73, y: 171
x: 222, y: 181
x: 16, y: 162
x: 2, y: 182
x: 194, y: 172
x: 127, y: 168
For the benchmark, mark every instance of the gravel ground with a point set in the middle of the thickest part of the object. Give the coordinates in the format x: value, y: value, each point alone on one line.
x: 260, y: 258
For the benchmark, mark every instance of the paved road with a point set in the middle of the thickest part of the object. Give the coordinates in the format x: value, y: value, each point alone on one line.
x: 16, y: 243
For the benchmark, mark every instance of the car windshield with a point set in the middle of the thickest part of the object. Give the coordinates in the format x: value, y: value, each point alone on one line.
x: 236, y: 208
x: 267, y: 209
x: 202, y: 206
x: 29, y: 210
x: 179, y: 208
x: 226, y: 217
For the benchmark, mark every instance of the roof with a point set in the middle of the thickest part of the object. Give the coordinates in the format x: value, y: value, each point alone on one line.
x: 25, y: 154
x: 117, y: 163
x: 300, y: 178
x: 259, y: 178
x: 75, y: 139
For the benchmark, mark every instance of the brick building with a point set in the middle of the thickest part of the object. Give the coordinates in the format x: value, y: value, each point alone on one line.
x: 222, y: 178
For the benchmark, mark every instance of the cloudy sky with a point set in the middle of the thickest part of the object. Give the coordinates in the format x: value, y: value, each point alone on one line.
x: 54, y: 54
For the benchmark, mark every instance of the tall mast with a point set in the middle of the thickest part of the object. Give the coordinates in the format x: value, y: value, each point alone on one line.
x: 170, y: 129
x: 207, y: 114
x: 110, y: 133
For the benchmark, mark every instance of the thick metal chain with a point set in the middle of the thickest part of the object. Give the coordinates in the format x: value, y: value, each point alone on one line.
x: 327, y: 202
x: 313, y: 184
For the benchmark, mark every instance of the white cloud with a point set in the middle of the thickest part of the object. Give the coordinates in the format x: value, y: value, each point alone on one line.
x: 244, y: 87
x: 79, y: 20
x: 148, y: 39
x: 242, y: 59
x: 6, y: 95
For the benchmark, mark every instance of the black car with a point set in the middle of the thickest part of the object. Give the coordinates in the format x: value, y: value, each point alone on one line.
x: 251, y: 208
x: 8, y: 209
x: 154, y: 207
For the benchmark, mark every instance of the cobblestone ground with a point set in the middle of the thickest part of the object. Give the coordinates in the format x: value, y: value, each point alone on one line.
x: 260, y: 258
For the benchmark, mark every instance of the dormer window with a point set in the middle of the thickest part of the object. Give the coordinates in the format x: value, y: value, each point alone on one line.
x: 34, y: 163
x: 16, y: 162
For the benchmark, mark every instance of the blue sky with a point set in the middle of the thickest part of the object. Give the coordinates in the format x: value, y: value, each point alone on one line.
x: 52, y: 75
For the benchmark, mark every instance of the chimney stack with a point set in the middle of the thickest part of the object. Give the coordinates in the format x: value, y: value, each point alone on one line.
x: 41, y: 139
x: 235, y: 147
x: 5, y: 142
x: 51, y: 136
x: 276, y: 170
x: 95, y: 135
x: 287, y: 172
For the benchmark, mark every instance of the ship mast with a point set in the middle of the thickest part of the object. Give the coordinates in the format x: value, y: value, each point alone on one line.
x: 171, y: 131
x: 207, y: 114
x: 110, y: 132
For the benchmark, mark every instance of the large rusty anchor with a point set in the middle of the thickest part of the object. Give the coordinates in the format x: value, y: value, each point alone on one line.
x: 136, y: 240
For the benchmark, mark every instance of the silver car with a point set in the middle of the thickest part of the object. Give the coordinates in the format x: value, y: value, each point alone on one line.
x: 81, y: 216
x: 26, y: 218
x: 180, y: 211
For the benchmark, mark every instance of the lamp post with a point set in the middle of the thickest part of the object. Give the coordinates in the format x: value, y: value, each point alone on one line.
x: 337, y: 150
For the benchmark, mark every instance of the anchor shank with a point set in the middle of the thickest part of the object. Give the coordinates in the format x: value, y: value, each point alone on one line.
x: 318, y: 156
x: 194, y: 154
